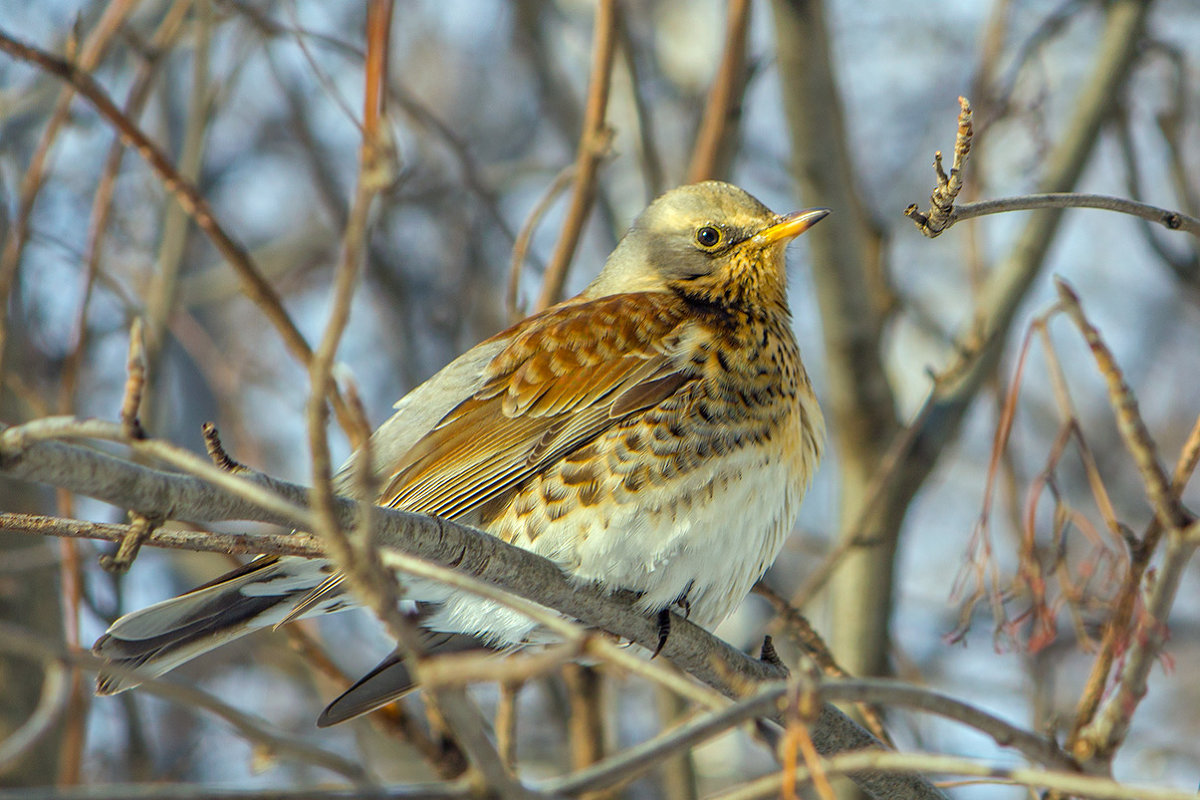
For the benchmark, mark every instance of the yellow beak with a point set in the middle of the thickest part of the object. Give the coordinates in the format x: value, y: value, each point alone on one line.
x: 789, y: 226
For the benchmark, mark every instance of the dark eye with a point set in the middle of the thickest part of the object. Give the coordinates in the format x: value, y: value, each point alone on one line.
x: 708, y: 236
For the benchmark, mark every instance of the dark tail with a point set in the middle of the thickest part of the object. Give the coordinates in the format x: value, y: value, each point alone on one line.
x: 390, y: 679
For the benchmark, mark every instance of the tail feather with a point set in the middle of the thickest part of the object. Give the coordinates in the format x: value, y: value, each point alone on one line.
x: 390, y: 679
x: 159, y: 638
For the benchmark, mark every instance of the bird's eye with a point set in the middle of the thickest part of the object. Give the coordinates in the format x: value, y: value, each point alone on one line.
x: 708, y: 236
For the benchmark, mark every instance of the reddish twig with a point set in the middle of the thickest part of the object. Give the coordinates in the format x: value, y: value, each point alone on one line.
x: 186, y: 194
x: 594, y: 143
x: 710, y: 155
x: 31, y: 182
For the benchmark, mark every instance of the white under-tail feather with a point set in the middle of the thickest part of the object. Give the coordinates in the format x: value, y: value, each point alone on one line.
x: 155, y: 640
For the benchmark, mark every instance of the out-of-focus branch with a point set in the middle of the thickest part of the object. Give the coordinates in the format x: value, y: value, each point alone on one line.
x: 17, y: 641
x: 714, y: 148
x: 1007, y: 285
x: 1100, y: 738
x: 652, y: 168
x: 186, y: 194
x: 102, y: 205
x: 593, y: 146
x: 512, y: 302
x: 52, y: 702
x: 162, y: 294
x: 31, y: 182
x: 1066, y: 783
x: 853, y: 295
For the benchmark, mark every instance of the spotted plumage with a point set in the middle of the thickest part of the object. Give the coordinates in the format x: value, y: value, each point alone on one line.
x: 655, y: 433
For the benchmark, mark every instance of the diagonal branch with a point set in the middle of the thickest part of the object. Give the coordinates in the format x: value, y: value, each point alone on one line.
x: 594, y: 143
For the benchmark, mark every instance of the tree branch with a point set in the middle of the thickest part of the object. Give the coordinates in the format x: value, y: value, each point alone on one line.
x: 155, y: 492
x: 593, y: 146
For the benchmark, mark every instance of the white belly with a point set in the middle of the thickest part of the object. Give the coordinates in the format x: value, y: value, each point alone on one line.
x: 711, y: 536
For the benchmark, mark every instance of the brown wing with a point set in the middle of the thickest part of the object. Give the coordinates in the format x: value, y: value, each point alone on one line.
x: 568, y: 375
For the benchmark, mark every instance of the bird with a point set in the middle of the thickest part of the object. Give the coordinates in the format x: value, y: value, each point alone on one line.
x: 655, y: 433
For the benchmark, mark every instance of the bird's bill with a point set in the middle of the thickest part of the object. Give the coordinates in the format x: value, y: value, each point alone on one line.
x: 791, y: 225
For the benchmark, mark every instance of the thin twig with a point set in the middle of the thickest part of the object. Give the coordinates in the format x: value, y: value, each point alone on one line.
x: 941, y: 201
x: 135, y: 382
x: 1067, y: 783
x: 94, y: 48
x: 1167, y: 505
x: 1171, y: 220
x: 186, y: 194
x: 718, y: 128
x: 594, y: 143
x: 197, y: 541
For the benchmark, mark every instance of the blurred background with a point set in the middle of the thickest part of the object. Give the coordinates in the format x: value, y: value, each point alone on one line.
x: 838, y: 104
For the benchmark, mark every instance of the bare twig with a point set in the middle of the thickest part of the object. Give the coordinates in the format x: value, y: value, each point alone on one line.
x: 941, y: 202
x: 199, y: 541
x: 1067, y: 783
x: 1166, y: 504
x: 594, y: 143
x: 31, y: 182
x: 140, y: 528
x: 1101, y: 737
x: 525, y: 236
x: 188, y: 196
x: 135, y: 383
x: 806, y: 638
x: 718, y: 129
x: 1171, y: 220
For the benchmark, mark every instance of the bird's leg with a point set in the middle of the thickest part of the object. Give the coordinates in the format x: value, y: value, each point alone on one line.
x: 664, y: 630
x: 664, y: 616
x: 768, y: 655
x: 683, y: 602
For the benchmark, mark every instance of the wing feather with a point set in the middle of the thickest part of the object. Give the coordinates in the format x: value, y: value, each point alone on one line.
x: 560, y: 383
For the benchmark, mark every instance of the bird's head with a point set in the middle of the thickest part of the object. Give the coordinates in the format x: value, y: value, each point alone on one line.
x: 710, y: 242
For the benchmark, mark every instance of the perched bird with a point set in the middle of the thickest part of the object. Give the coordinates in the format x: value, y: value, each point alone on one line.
x: 655, y: 433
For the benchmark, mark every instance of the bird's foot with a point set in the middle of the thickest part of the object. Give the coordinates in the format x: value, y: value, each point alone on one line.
x: 664, y: 630
x: 768, y: 655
